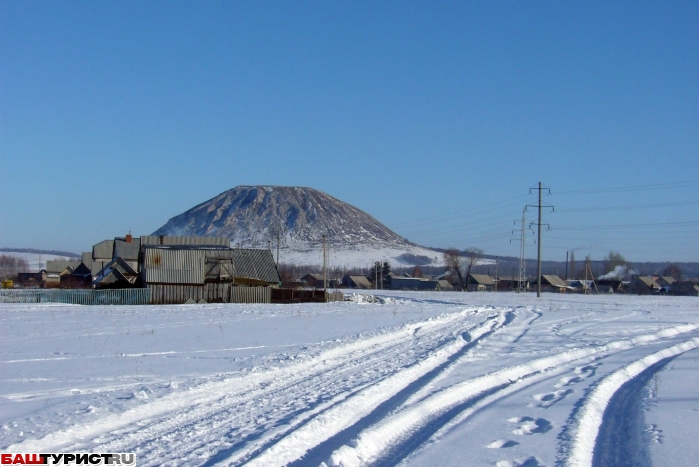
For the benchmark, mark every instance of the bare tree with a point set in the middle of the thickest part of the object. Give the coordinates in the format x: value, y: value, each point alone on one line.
x: 10, y: 266
x: 612, y: 260
x: 673, y: 271
x: 473, y: 254
x: 417, y: 271
x: 454, y: 262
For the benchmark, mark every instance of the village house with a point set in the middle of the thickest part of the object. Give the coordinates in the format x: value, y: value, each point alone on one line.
x: 553, y: 283
x: 480, y: 283
x: 355, y: 282
x: 643, y: 285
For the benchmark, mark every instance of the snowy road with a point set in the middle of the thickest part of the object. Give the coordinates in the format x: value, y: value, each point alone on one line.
x: 419, y: 379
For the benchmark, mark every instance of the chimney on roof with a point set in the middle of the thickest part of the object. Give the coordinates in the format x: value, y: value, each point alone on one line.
x: 129, y: 238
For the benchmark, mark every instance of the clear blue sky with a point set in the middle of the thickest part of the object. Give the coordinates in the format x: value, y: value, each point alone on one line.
x: 435, y: 117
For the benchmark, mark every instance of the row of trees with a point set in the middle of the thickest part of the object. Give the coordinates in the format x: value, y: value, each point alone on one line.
x: 10, y: 266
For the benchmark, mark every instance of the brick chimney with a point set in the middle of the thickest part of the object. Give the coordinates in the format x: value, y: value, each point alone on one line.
x: 129, y: 238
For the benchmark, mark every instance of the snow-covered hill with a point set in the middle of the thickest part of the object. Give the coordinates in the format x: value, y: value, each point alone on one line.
x: 252, y: 216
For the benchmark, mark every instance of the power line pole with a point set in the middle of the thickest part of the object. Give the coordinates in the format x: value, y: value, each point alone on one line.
x: 540, y: 188
x: 522, y: 262
x: 279, y: 227
x: 496, y: 273
x: 325, y: 266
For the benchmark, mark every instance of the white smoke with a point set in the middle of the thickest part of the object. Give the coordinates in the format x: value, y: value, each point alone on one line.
x: 620, y: 272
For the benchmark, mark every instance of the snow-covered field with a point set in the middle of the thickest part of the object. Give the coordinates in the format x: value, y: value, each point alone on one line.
x: 418, y: 379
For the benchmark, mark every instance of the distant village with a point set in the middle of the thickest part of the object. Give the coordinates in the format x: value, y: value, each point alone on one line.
x: 178, y: 269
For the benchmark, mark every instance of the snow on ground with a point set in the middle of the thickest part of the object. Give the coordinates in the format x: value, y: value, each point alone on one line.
x: 412, y: 379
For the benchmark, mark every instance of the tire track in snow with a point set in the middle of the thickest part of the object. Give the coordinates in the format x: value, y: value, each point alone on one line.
x: 585, y: 427
x: 314, y: 441
x: 326, y: 382
x: 399, y: 434
x: 206, y: 411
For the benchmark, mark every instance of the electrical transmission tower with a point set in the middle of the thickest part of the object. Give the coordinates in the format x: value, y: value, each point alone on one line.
x: 540, y: 188
x: 522, y: 287
x: 522, y: 277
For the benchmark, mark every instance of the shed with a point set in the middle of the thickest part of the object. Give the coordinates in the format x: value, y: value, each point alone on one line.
x: 32, y: 279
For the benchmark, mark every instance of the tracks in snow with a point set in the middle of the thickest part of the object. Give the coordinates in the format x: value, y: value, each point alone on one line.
x: 394, y: 437
x: 586, y: 442
x: 279, y: 413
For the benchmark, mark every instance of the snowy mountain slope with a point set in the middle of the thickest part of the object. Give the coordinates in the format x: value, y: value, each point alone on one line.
x: 252, y: 215
x: 415, y: 379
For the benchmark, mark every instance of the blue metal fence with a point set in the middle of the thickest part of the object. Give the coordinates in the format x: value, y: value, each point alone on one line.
x: 77, y: 297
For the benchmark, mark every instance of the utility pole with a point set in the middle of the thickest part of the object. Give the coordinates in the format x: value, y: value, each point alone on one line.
x: 566, y: 267
x: 540, y: 188
x: 381, y: 276
x: 279, y: 227
x: 522, y: 262
x: 325, y: 266
x: 496, y: 273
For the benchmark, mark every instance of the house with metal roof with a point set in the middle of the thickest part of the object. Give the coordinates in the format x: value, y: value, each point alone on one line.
x: 79, y: 278
x: 685, y: 288
x: 643, y: 285
x: 117, y: 274
x: 127, y: 248
x: 102, y: 253
x: 59, y: 266
x: 313, y: 280
x: 178, y: 273
x: 553, y: 283
x: 479, y: 283
x: 355, y: 282
x: 664, y: 281
x: 419, y: 283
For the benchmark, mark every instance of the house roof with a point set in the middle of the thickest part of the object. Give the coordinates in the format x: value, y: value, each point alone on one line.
x: 318, y: 277
x: 186, y: 264
x: 553, y: 280
x: 103, y: 250
x: 482, y: 279
x: 55, y: 266
x: 81, y: 270
x: 358, y: 281
x: 648, y: 281
x: 127, y: 250
x: 112, y: 276
x: 182, y: 240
